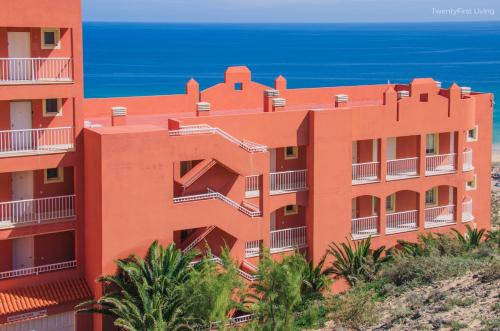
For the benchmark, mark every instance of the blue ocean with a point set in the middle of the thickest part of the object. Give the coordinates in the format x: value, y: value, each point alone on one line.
x: 128, y: 59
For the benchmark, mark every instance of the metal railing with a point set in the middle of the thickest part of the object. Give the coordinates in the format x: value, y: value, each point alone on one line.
x: 402, y: 221
x: 200, y: 172
x: 195, y: 197
x: 252, y: 186
x: 37, y: 270
x: 253, y: 248
x: 467, y: 210
x: 467, y: 160
x: 187, y: 130
x: 13, y: 213
x: 363, y: 227
x: 365, y: 172
x: 55, y: 69
x: 440, y: 163
x: 401, y: 168
x: 199, y: 238
x: 288, y: 181
x: 286, y: 239
x: 47, y: 140
x: 439, y: 216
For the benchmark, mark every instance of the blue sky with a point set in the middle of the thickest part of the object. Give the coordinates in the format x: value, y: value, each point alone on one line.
x: 290, y: 10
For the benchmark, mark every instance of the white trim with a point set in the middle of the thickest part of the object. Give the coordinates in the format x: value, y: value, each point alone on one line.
x: 476, y: 134
x: 57, y: 38
x: 59, y: 108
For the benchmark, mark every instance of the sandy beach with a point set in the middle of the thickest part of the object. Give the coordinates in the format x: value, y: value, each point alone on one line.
x: 495, y: 155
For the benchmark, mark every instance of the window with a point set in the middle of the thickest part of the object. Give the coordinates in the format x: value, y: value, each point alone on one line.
x: 472, y: 134
x: 471, y: 184
x: 431, y: 197
x: 185, y: 167
x: 51, y: 39
x: 424, y: 97
x: 52, y: 107
x: 238, y: 86
x: 53, y: 175
x: 291, y: 210
x: 291, y: 152
x: 390, y: 203
x: 431, y: 144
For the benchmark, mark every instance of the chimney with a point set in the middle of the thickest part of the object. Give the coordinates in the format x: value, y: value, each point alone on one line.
x: 279, y: 104
x: 341, y: 100
x: 465, y: 90
x: 439, y: 84
x: 268, y: 95
x: 118, y: 116
x: 202, y: 108
x: 403, y: 94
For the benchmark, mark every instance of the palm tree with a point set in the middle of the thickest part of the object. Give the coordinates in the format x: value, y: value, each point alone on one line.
x: 145, y: 294
x: 357, y: 262
x: 472, y: 237
x: 316, y: 278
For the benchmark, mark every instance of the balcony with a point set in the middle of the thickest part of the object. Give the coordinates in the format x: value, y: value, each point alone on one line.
x: 35, y: 70
x: 364, y: 227
x: 253, y: 248
x: 288, y: 239
x: 440, y: 164
x: 287, y: 181
x: 38, y: 269
x: 467, y: 160
x: 467, y: 215
x: 33, y: 211
x: 252, y: 186
x: 36, y: 141
x: 439, y: 216
x: 363, y: 173
x: 401, y: 221
x: 402, y: 168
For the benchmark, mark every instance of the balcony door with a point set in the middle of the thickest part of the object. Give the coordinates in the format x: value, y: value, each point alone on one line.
x: 22, y: 192
x: 19, y: 50
x: 22, y: 253
x: 20, y: 119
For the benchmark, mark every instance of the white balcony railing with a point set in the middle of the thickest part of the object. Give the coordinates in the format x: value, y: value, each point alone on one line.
x: 39, y: 141
x: 286, y: 239
x: 439, y: 216
x: 441, y: 163
x: 402, y: 221
x: 467, y: 210
x: 32, y: 70
x: 15, y: 213
x: 363, y: 227
x: 467, y: 160
x: 37, y: 270
x: 365, y: 172
x: 402, y: 168
x: 288, y: 181
x: 252, y: 186
x: 253, y: 248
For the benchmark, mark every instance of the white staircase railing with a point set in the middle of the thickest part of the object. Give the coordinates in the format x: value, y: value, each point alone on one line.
x: 35, y: 69
x: 197, y: 240
x: 401, y: 168
x: 286, y: 239
x: 37, y: 270
x: 365, y: 172
x: 187, y: 130
x: 253, y: 248
x: 467, y: 210
x: 199, y: 173
x: 467, y: 160
x: 363, y: 227
x: 288, y: 181
x: 47, y: 140
x: 13, y: 213
x: 440, y: 163
x: 439, y: 216
x: 402, y: 221
x: 242, y: 273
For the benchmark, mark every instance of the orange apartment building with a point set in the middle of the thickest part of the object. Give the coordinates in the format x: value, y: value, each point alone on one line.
x: 86, y: 181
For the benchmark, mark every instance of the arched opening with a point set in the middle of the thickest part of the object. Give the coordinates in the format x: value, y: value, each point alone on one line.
x: 440, y: 206
x: 365, y: 216
x: 401, y: 211
x: 288, y: 228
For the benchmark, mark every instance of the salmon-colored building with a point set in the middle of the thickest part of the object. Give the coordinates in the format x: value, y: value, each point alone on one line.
x: 86, y: 181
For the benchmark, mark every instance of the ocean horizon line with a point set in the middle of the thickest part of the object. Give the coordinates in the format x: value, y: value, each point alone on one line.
x: 292, y: 23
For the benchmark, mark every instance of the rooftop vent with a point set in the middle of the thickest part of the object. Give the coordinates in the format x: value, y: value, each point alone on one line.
x: 272, y: 93
x: 465, y: 90
x: 403, y: 94
x: 87, y: 124
x: 119, y: 111
x: 341, y: 98
x: 279, y: 102
x: 203, y: 106
x: 438, y: 84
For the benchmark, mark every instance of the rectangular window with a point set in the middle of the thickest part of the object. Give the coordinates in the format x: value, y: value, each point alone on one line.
x: 431, y: 144
x: 390, y: 203
x: 291, y: 152
x: 291, y: 210
x: 51, y: 38
x: 471, y: 184
x: 431, y: 197
x: 53, y: 175
x: 52, y: 107
x: 238, y: 86
x: 472, y: 134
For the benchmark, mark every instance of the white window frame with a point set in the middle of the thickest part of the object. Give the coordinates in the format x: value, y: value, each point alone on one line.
x: 57, y: 38
x: 59, y: 108
x: 473, y: 186
x: 436, y: 197
x: 436, y: 143
x: 476, y: 134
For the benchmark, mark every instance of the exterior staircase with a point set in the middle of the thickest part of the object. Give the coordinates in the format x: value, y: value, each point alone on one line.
x: 199, y: 238
x: 196, y: 172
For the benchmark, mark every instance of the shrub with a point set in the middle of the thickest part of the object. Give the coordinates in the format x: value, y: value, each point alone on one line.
x: 314, y: 315
x: 315, y: 279
x: 355, y: 309
x: 472, y: 237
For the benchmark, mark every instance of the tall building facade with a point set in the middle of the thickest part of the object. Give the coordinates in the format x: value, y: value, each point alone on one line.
x: 86, y: 181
